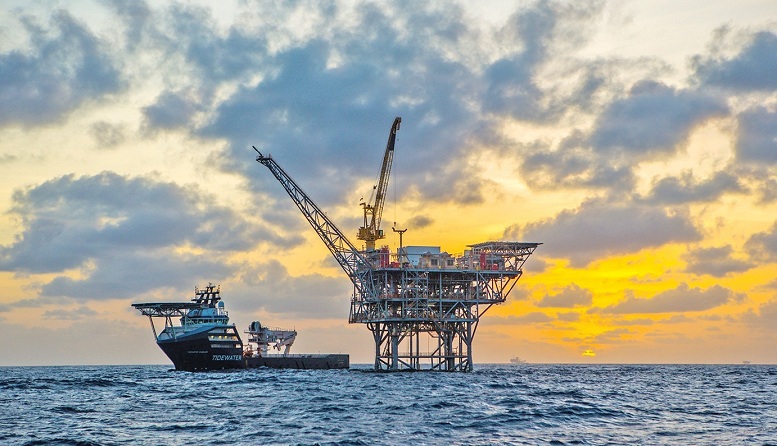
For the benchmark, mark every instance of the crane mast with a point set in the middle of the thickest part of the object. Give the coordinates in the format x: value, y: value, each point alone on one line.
x: 371, y: 231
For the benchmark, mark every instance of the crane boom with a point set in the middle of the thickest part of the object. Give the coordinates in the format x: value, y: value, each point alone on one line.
x: 385, y: 171
x: 371, y: 232
x: 350, y: 259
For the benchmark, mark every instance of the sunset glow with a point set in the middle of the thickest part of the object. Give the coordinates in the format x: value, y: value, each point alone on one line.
x: 636, y: 140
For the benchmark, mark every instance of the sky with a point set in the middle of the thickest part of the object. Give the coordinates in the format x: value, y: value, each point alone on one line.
x: 636, y: 140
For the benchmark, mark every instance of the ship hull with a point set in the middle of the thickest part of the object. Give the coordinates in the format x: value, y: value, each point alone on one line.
x: 203, y: 349
x: 303, y: 362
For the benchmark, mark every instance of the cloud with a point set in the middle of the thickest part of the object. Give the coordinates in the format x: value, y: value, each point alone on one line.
x: 680, y: 299
x: 752, y: 69
x: 511, y: 88
x: 757, y: 136
x: 768, y: 191
x: 652, y: 120
x: 571, y: 166
x: 135, y: 21
x: 354, y: 103
x: 323, y: 104
x: 624, y: 133
x: 569, y: 316
x: 716, y: 262
x: 419, y: 222
x: 571, y: 296
x: 8, y: 158
x: 65, y: 66
x: 687, y: 189
x: 613, y: 336
x: 76, y: 314
x: 125, y: 235
x: 136, y: 274
x: 214, y: 55
x: 269, y: 287
x: 599, y: 228
x: 533, y: 37
x: 107, y: 135
x: 170, y: 111
x: 535, y: 317
x: 766, y: 317
x: 763, y: 246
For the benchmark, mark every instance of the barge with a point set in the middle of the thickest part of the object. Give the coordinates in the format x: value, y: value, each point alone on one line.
x: 205, y: 340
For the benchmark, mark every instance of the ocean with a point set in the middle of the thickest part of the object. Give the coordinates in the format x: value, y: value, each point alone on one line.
x: 533, y: 404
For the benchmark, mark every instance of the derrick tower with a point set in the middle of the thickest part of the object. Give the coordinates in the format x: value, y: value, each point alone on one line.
x: 422, y: 305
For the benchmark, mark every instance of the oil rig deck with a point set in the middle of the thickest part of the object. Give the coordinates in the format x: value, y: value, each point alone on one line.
x: 423, y: 314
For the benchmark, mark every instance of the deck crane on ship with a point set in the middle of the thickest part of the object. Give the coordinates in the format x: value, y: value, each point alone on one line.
x: 433, y: 294
x: 370, y: 232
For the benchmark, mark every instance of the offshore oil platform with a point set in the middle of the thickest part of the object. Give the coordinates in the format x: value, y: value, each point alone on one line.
x: 418, y: 291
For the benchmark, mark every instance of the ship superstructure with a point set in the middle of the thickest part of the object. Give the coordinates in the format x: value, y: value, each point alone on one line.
x: 204, y: 339
x: 421, y: 304
x: 266, y: 337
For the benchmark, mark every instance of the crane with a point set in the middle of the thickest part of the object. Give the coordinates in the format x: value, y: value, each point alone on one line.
x: 401, y: 303
x: 371, y: 231
x: 351, y: 260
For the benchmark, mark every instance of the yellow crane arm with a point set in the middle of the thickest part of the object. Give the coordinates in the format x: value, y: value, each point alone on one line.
x: 371, y: 232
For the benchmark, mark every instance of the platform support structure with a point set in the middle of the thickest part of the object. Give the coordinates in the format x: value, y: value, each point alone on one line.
x: 426, y: 318
x: 404, y: 303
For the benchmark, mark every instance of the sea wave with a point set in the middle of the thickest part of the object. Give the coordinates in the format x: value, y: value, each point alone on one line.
x: 496, y: 404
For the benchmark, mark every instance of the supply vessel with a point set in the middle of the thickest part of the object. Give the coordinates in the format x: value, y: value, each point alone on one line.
x: 205, y: 340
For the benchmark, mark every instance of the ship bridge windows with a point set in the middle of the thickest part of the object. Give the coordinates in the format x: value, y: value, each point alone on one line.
x: 224, y: 345
x: 223, y: 338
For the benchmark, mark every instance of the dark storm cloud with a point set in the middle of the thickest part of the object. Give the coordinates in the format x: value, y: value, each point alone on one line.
x: 64, y: 66
x: 571, y: 296
x: 677, y: 300
x: 687, y: 189
x: 757, y: 136
x: 752, y: 69
x: 121, y: 232
x: 652, y: 120
x: 716, y: 262
x: 599, y: 228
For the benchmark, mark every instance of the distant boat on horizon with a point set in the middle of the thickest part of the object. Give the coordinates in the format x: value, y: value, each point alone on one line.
x: 517, y: 360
